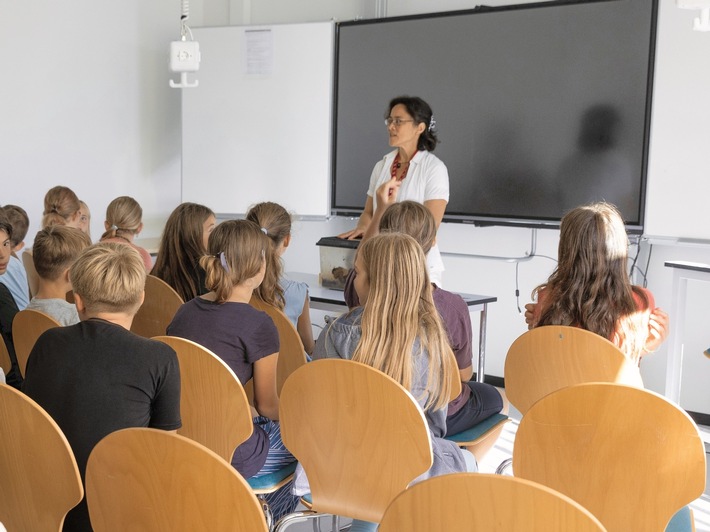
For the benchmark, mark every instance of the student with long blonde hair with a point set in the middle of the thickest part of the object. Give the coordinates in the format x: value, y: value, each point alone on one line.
x: 398, y: 331
x: 245, y: 338
x: 124, y: 221
x: 591, y: 289
x: 278, y: 290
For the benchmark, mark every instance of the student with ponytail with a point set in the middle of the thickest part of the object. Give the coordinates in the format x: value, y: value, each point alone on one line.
x: 223, y: 321
x: 124, y: 221
x: 277, y: 290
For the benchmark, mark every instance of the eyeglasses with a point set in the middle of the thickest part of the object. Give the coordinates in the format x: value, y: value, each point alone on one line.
x: 395, y: 121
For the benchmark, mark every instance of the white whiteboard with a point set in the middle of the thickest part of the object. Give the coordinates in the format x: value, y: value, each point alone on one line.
x: 260, y: 132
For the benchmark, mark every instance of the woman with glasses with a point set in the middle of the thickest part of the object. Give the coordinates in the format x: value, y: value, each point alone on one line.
x: 409, y: 172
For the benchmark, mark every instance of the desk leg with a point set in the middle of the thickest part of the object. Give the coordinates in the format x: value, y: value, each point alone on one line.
x: 674, y: 364
x: 480, y: 374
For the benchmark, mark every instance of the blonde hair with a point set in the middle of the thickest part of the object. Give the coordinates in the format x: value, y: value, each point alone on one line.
x: 109, y: 277
x: 236, y: 253
x: 400, y: 311
x: 275, y: 221
x: 123, y: 215
x: 56, y: 248
x: 60, y: 205
x: 413, y: 219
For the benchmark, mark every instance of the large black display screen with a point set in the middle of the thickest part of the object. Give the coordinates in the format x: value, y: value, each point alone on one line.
x: 539, y: 107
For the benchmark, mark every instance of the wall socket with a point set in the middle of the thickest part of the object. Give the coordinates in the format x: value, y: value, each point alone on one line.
x: 184, y: 56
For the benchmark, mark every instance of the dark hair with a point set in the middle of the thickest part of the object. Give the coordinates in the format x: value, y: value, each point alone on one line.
x: 5, y: 225
x: 17, y: 217
x: 420, y: 111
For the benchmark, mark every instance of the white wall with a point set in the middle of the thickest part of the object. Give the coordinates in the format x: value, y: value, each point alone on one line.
x: 85, y: 103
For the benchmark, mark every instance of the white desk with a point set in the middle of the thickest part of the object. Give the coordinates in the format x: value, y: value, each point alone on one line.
x: 329, y: 299
x: 682, y: 273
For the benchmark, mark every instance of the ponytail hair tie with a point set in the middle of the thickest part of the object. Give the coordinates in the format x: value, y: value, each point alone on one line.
x: 223, y: 261
x: 265, y: 231
x: 432, y: 123
x: 113, y: 228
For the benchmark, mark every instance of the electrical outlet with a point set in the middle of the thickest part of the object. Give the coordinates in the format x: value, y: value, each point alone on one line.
x: 184, y: 56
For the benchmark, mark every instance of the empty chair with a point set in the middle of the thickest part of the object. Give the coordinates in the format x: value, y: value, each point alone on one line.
x: 148, y: 479
x: 359, y: 435
x: 157, y: 311
x: 628, y: 455
x: 474, y: 501
x: 27, y: 326
x: 39, y: 480
x: 545, y: 359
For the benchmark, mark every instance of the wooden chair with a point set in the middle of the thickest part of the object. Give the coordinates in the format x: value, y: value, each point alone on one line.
x: 158, y: 309
x: 148, y: 479
x: 32, y: 276
x: 39, y: 478
x: 292, y: 355
x: 628, y: 455
x: 28, y: 325
x: 215, y: 411
x: 5, y: 362
x: 213, y: 406
x: 475, y: 501
x: 360, y: 437
x: 545, y: 359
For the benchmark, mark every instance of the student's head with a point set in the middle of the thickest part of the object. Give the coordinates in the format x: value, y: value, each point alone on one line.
x: 413, y: 219
x: 420, y: 112
x: 61, y: 207
x: 85, y: 218
x: 275, y: 222
x: 17, y: 216
x: 5, y: 243
x: 183, y: 242
x: 109, y: 277
x: 393, y: 285
x: 124, y: 218
x: 236, y: 256
x: 56, y: 248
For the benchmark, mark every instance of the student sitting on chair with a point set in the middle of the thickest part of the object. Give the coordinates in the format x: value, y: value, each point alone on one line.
x: 97, y: 377
x: 124, y: 222
x: 16, y: 277
x: 8, y: 307
x: 54, y: 251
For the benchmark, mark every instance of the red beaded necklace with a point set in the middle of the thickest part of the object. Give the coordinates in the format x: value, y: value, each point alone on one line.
x: 396, y: 165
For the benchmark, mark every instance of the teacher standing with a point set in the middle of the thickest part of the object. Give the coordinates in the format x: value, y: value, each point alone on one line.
x: 410, y: 172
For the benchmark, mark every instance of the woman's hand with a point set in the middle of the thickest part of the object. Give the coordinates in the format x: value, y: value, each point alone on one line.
x: 657, y: 329
x: 353, y: 234
x: 387, y: 194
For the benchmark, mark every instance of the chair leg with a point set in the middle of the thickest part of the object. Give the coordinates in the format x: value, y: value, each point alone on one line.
x: 504, y: 466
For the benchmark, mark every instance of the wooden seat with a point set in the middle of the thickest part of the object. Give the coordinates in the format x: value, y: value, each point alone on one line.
x: 148, y: 479
x: 5, y: 362
x: 28, y: 325
x: 158, y: 309
x: 292, y: 355
x: 474, y: 501
x: 628, y: 455
x: 545, y: 359
x: 360, y: 437
x: 39, y: 480
x: 213, y: 406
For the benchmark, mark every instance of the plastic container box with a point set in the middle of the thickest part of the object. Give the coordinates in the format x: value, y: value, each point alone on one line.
x: 337, y: 257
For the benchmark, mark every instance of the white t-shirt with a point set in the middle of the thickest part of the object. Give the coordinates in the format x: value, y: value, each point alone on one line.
x: 427, y: 179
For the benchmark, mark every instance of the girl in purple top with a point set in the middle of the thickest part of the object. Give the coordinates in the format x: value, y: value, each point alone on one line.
x: 246, y: 339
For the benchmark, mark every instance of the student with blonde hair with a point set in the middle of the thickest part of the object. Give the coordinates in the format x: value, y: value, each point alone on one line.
x: 246, y: 339
x: 54, y: 251
x: 398, y: 331
x: 278, y: 290
x: 182, y: 245
x: 97, y: 377
x: 124, y: 221
x: 590, y: 287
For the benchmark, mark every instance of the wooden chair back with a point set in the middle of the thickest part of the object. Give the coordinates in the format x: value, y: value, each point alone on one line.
x: 149, y: 479
x: 32, y: 276
x: 158, y: 309
x: 360, y: 436
x: 5, y: 361
x: 292, y: 355
x: 213, y: 406
x: 476, y: 501
x: 628, y: 455
x: 545, y: 359
x: 27, y: 326
x: 39, y: 480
